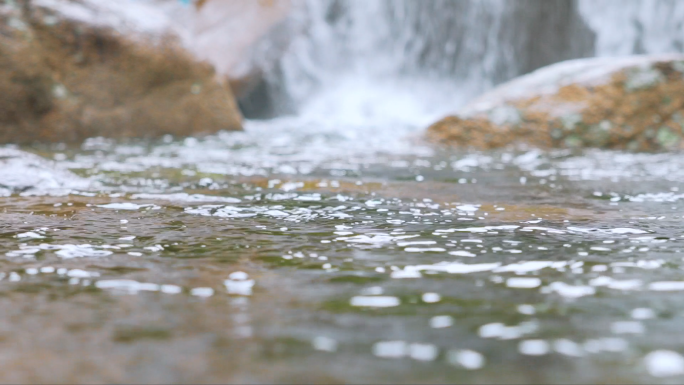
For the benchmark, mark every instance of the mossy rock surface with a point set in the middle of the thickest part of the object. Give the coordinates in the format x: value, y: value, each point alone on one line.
x: 634, y: 103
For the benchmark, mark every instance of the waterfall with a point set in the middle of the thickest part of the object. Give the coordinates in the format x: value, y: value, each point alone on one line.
x: 625, y: 27
x: 413, y: 60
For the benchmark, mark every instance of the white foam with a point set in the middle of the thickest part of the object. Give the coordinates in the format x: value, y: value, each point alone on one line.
x: 664, y: 363
x: 431, y: 297
x: 462, y: 253
x: 62, y: 251
x: 568, y: 348
x: 30, y: 234
x: 78, y: 273
x: 546, y: 229
x: 611, y: 283
x: 203, y: 292
x: 527, y: 267
x: 666, y: 286
x: 238, y: 283
x: 619, y: 230
x: 441, y: 321
x: 183, y: 197
x: 468, y: 359
x: 375, y: 301
x: 468, y: 208
x: 324, y: 344
x: 406, y: 274
x: 534, y: 347
x: 642, y: 313
x: 526, y: 309
x: 423, y: 352
x: 424, y: 250
x: 126, y: 286
x: 390, y: 349
x: 484, y: 229
x: 455, y: 267
x: 170, y: 289
x: 404, y: 244
x: 238, y: 276
x: 276, y: 213
x: 491, y: 330
x: 500, y: 331
x: 627, y: 231
x: 123, y: 206
x: 523, y: 283
x: 34, y: 176
x: 569, y: 291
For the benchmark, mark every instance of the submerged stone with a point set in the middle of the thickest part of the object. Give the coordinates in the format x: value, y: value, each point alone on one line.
x: 628, y: 103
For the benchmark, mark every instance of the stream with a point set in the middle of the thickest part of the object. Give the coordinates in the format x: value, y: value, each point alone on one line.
x: 327, y: 243
x: 301, y: 252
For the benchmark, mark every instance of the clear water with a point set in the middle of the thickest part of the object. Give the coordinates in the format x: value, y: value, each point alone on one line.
x: 297, y: 252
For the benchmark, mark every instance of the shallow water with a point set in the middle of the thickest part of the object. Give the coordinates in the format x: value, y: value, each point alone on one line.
x: 340, y: 256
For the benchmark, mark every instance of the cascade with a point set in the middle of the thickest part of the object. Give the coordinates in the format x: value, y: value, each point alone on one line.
x: 417, y: 59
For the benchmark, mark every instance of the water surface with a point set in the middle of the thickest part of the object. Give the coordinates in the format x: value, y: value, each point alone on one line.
x: 308, y: 253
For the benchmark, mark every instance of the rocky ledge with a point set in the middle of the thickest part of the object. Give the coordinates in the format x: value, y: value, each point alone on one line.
x: 633, y: 103
x: 73, y: 69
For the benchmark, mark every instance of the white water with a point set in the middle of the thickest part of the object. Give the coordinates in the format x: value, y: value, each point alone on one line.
x: 625, y: 27
x: 385, y: 61
x: 409, y: 62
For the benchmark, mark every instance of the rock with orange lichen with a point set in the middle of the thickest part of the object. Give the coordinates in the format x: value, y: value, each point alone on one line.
x: 73, y: 69
x: 633, y: 103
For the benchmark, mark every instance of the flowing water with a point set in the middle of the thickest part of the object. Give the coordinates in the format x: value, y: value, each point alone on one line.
x: 327, y: 255
x: 335, y: 247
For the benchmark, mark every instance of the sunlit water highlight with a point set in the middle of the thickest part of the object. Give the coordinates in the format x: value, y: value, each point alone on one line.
x: 295, y: 251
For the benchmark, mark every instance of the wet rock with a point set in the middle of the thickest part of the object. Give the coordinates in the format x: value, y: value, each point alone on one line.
x: 227, y: 34
x: 633, y: 103
x: 70, y: 70
x: 244, y: 40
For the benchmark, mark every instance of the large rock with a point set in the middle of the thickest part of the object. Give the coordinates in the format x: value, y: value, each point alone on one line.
x: 244, y: 40
x: 72, y: 69
x: 227, y: 33
x: 634, y: 103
